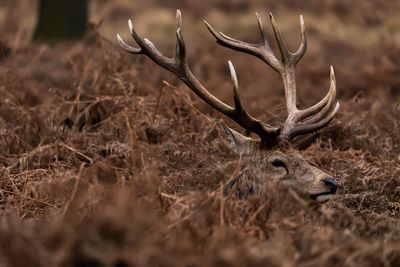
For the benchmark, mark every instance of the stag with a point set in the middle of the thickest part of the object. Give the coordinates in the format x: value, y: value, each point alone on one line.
x: 272, y: 156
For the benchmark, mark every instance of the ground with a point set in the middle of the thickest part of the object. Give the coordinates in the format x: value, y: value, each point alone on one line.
x: 108, y: 160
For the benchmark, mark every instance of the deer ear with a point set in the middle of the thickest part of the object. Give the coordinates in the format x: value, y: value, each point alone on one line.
x: 237, y: 140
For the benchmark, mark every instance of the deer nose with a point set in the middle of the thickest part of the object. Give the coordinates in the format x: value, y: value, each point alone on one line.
x: 331, y: 184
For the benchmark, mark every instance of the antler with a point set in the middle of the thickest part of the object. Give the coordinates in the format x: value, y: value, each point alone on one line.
x: 298, y: 121
x: 179, y: 67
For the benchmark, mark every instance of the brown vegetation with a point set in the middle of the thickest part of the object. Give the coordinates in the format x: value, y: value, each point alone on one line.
x: 107, y: 160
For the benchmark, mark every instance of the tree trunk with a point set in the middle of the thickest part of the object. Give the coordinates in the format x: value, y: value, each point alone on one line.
x: 60, y: 20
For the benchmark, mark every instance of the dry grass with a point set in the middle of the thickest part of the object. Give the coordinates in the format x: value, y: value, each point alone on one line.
x: 104, y: 164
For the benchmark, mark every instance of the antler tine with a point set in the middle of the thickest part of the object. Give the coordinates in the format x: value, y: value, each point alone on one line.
x: 262, y: 33
x: 125, y: 46
x: 315, y: 117
x: 267, y: 133
x: 146, y: 48
x: 323, y: 106
x: 180, y: 52
x: 179, y: 67
x: 308, y: 128
x: 236, y: 93
x: 287, y: 56
x: 261, y: 50
x: 298, y: 55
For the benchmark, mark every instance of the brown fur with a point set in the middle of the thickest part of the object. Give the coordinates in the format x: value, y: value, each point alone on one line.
x: 257, y: 168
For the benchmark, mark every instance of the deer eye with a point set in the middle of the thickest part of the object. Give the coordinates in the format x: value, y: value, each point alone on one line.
x: 278, y: 163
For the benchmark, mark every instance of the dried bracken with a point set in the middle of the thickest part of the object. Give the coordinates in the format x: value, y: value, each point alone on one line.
x: 141, y: 182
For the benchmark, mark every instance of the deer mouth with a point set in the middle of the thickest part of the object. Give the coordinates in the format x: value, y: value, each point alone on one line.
x: 322, y: 197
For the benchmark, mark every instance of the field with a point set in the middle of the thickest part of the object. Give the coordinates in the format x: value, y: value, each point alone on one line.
x: 108, y: 160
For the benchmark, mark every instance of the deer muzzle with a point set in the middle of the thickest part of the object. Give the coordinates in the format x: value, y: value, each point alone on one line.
x: 331, y: 186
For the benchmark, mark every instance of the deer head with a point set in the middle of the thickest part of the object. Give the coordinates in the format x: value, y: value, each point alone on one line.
x: 270, y: 157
